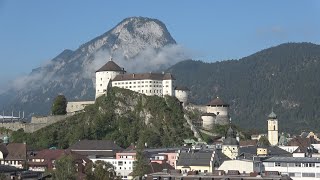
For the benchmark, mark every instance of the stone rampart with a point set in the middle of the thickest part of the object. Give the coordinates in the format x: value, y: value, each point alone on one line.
x: 37, y: 122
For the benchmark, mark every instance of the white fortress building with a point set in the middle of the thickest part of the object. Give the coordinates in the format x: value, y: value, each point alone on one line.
x: 112, y: 75
x: 150, y: 84
x: 216, y: 113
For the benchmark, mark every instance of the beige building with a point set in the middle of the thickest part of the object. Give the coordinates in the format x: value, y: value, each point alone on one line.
x: 243, y: 166
x: 273, y: 135
x: 230, y: 145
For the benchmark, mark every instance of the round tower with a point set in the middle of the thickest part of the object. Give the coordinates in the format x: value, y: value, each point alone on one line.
x: 208, y: 120
x: 182, y: 94
x: 220, y: 108
x: 105, y: 74
x: 230, y: 145
x: 273, y: 129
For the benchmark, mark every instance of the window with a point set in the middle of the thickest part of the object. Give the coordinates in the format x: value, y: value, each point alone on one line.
x: 100, y: 84
x: 150, y: 91
x: 120, y: 163
x: 129, y: 82
x: 277, y: 164
x: 101, y: 79
x: 150, y: 82
x: 297, y: 164
x: 126, y: 82
x: 283, y: 164
x: 308, y: 175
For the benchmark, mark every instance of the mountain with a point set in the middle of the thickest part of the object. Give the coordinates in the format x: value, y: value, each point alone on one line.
x: 284, y: 77
x: 123, y: 116
x: 72, y: 72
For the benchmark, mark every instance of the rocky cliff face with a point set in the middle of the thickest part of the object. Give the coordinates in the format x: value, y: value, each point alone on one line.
x: 72, y: 72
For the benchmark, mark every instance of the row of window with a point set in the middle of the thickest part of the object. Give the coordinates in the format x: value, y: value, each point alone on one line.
x: 307, y: 174
x: 142, y: 86
x: 278, y: 164
x: 134, y: 82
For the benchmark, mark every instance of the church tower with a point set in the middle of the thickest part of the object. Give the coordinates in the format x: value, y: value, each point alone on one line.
x: 273, y: 129
x: 105, y: 75
x: 230, y: 145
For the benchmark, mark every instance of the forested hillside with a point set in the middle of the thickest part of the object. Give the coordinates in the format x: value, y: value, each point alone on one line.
x: 285, y: 77
x: 123, y: 116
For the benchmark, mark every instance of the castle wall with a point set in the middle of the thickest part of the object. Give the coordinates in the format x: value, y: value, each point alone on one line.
x: 36, y: 123
x: 77, y: 106
x: 48, y: 119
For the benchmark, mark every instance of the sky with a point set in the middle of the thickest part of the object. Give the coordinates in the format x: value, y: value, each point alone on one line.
x: 35, y: 31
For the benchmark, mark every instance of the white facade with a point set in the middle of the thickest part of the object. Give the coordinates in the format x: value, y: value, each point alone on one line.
x: 232, y: 151
x: 243, y: 166
x: 103, y: 79
x: 208, y: 121
x: 182, y: 95
x: 289, y: 149
x: 218, y: 110
x: 297, y: 170
x: 273, y: 131
x: 148, y: 87
x: 123, y: 167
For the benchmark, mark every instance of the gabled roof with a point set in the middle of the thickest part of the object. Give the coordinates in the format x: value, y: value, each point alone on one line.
x: 48, y: 154
x: 95, y: 145
x: 110, y: 66
x: 194, y: 158
x: 17, y: 151
x: 217, y: 102
x: 272, y: 151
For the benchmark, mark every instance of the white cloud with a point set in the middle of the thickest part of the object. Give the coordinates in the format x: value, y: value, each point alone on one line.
x: 146, y: 61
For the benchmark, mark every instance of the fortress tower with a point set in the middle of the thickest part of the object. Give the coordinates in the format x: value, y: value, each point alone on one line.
x: 273, y: 129
x: 182, y: 94
x: 105, y: 74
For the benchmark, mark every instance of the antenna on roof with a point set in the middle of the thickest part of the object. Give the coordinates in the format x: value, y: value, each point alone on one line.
x: 110, y: 58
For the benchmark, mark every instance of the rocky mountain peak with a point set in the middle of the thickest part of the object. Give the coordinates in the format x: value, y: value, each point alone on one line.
x: 130, y: 36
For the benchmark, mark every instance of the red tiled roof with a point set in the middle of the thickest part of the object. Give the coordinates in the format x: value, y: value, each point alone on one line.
x: 49, y: 154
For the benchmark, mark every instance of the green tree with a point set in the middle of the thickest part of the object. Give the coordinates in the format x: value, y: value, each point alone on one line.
x: 263, y: 141
x: 65, y: 169
x: 59, y: 106
x: 141, y: 164
x: 100, y: 170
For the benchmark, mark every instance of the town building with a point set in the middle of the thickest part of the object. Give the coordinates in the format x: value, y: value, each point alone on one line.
x: 13, y: 154
x: 273, y: 135
x: 302, y: 168
x: 193, y: 160
x: 230, y: 145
